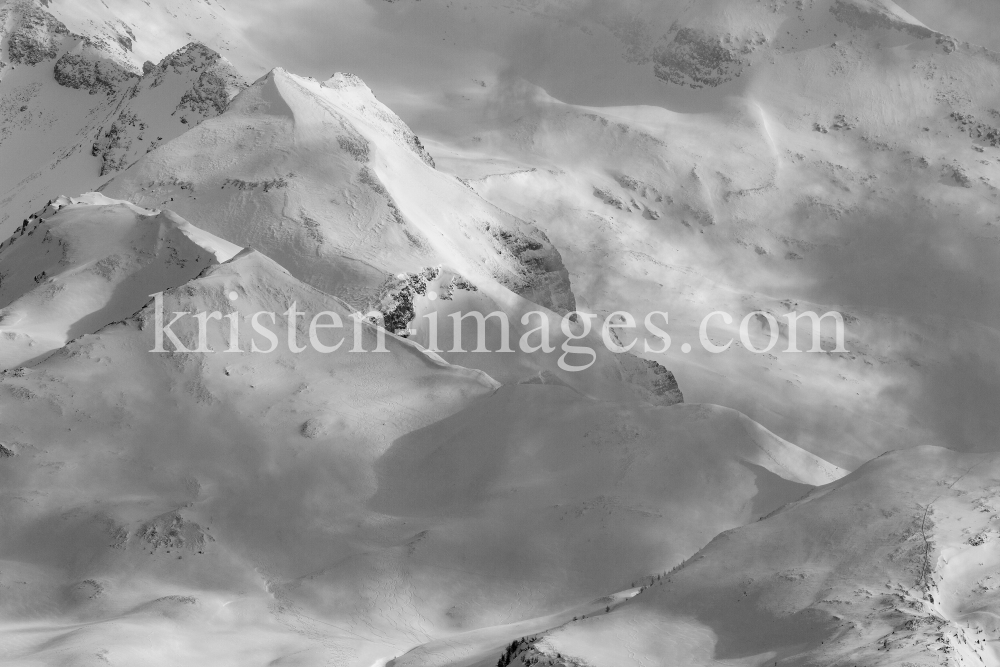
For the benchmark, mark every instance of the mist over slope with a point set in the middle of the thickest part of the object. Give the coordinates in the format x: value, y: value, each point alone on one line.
x: 77, y: 107
x: 890, y: 565
x: 82, y: 263
x: 179, y: 482
x: 843, y: 160
x: 405, y: 498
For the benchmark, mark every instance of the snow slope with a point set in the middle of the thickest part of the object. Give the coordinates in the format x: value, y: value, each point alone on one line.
x: 179, y: 480
x: 152, y: 31
x: 346, y: 197
x: 893, y: 564
x: 327, y: 181
x: 420, y: 507
x: 76, y: 107
x: 850, y: 167
x: 84, y: 262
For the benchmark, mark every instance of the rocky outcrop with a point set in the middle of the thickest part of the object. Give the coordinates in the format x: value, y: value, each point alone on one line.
x: 978, y: 131
x: 94, y: 64
x: 216, y: 83
x: 36, y: 35
x: 368, y: 177
x: 866, y: 18
x: 651, y: 376
x: 92, y: 72
x: 538, y: 274
x: 209, y: 95
x: 529, y: 651
x: 356, y: 145
x: 171, y: 531
x: 698, y: 59
x: 395, y: 299
x: 208, y: 80
x: 192, y: 57
x: 112, y: 145
x: 401, y: 132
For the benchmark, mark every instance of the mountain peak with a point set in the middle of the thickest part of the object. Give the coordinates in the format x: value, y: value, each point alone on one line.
x: 33, y: 34
x: 345, y: 80
x: 85, y: 261
x: 193, y: 56
x: 712, y: 43
x: 884, y: 14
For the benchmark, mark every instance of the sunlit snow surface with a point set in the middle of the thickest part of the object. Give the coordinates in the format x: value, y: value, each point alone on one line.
x: 416, y: 508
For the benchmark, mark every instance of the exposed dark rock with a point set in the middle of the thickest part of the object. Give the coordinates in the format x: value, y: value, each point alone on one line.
x: 863, y: 18
x: 526, y: 652
x: 401, y: 131
x: 369, y: 178
x: 652, y: 376
x: 96, y: 74
x: 113, y: 144
x: 977, y: 131
x: 356, y: 145
x: 542, y: 277
x: 217, y: 83
x: 209, y: 95
x: 313, y: 428
x: 172, y: 531
x: 125, y: 41
x: 698, y: 59
x: 395, y: 299
x: 958, y: 173
x: 460, y: 283
x: 418, y: 148
x: 194, y: 57
x: 610, y: 199
x: 36, y: 36
x: 212, y: 83
x: 269, y: 184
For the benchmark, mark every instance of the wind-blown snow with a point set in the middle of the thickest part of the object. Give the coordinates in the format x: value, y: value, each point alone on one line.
x: 456, y: 508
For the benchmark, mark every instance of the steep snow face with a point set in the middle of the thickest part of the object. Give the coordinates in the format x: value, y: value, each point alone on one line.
x: 387, y: 471
x: 424, y: 57
x: 718, y: 42
x: 185, y: 88
x: 894, y: 564
x: 832, y: 183
x: 197, y: 472
x: 346, y: 197
x: 84, y: 262
x: 328, y: 182
x: 149, y: 32
x: 566, y: 497
x: 31, y: 34
x: 440, y: 304
x: 417, y: 508
x: 46, y: 126
x: 77, y: 107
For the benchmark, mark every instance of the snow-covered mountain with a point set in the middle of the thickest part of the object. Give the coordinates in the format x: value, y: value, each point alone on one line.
x: 430, y: 505
x: 894, y: 564
x: 84, y: 262
x: 390, y: 225
x: 179, y: 481
x: 76, y: 108
x: 844, y: 159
